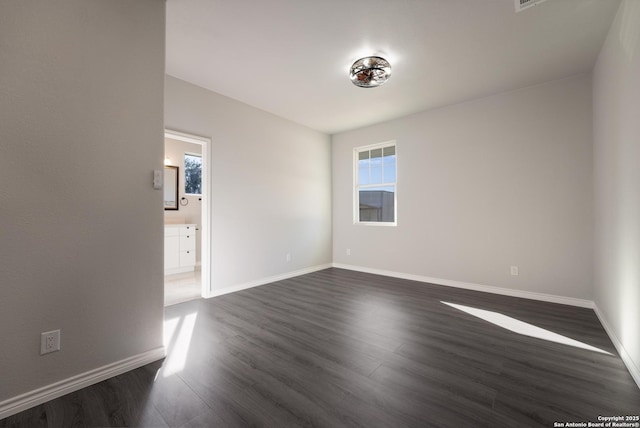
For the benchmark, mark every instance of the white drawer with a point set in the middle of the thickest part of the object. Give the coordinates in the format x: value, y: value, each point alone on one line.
x: 187, y: 258
x: 187, y: 242
x: 188, y: 230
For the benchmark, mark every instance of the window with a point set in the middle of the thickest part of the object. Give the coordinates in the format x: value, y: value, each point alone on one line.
x: 192, y: 174
x: 375, y: 184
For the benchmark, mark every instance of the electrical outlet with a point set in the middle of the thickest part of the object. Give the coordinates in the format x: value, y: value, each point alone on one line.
x: 49, y: 342
x: 348, y: 251
x: 514, y: 270
x: 288, y: 257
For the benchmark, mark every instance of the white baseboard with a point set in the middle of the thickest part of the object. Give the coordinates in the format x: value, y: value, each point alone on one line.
x: 476, y: 287
x: 626, y: 358
x: 267, y: 280
x: 41, y: 395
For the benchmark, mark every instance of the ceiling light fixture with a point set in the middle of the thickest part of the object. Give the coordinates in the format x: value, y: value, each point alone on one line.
x: 370, y: 71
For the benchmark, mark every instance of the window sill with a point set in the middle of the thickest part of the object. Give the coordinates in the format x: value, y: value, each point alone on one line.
x: 375, y: 223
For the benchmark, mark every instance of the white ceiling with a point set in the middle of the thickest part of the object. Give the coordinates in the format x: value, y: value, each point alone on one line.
x: 291, y: 57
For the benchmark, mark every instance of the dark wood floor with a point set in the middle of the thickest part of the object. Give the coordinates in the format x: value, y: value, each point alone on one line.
x: 339, y: 348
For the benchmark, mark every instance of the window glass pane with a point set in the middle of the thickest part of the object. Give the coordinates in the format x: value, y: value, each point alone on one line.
x: 389, y: 151
x: 376, y: 169
x: 192, y: 174
x: 376, y: 195
x: 363, y: 171
x: 389, y: 162
x: 377, y: 204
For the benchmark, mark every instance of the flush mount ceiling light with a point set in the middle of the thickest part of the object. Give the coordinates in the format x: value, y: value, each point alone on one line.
x: 370, y: 71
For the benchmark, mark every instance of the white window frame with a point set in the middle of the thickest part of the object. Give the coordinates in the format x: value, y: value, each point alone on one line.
x: 192, y: 154
x: 356, y: 186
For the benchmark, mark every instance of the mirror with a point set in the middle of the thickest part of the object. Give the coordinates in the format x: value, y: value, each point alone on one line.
x: 171, y: 188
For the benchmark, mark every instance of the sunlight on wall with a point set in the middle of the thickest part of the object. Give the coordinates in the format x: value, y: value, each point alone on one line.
x: 622, y: 284
x: 628, y: 298
x: 177, y: 342
x: 523, y: 328
x: 629, y: 30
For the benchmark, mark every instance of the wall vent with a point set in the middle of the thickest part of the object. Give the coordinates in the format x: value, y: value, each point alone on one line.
x: 526, y: 4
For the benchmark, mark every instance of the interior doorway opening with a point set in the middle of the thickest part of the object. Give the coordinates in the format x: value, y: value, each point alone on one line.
x: 186, y: 217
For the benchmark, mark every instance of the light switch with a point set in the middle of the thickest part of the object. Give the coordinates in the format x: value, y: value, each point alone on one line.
x: 157, y: 179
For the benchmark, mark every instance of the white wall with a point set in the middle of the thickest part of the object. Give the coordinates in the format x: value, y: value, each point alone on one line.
x: 192, y: 212
x: 81, y: 107
x: 616, y: 123
x: 270, y: 185
x: 483, y: 185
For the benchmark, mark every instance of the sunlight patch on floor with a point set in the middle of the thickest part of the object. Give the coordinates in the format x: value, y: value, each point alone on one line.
x: 523, y: 328
x: 177, y: 338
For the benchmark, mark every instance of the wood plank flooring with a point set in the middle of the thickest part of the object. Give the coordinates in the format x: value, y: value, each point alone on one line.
x: 338, y: 348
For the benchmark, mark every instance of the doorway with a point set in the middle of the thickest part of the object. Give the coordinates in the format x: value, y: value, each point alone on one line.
x: 187, y: 225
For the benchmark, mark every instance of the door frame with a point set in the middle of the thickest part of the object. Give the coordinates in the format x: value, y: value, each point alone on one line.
x: 205, y: 226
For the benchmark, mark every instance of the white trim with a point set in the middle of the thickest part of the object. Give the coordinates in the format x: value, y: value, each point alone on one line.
x: 205, y: 230
x: 268, y: 280
x: 626, y: 358
x: 183, y: 136
x: 375, y: 223
x: 41, y: 395
x: 476, y: 287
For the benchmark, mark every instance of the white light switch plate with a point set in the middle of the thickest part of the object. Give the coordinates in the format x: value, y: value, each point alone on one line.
x: 157, y: 179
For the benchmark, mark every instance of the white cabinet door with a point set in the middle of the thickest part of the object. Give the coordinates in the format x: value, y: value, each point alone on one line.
x: 171, y: 252
x: 179, y: 248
